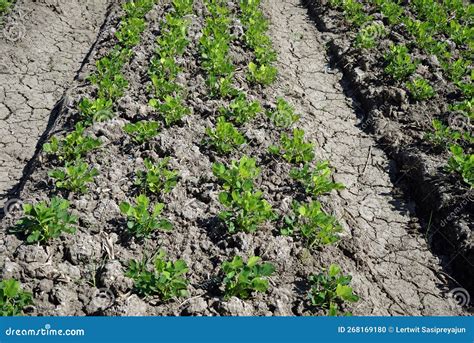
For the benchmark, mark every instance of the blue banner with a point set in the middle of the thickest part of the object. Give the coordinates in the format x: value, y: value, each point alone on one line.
x: 237, y: 329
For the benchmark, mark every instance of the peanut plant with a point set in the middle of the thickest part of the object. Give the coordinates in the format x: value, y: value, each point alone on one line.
x: 165, y: 280
x: 240, y: 110
x: 247, y: 210
x: 225, y: 137
x: 294, y: 149
x: 42, y: 222
x: 72, y: 147
x: 157, y: 178
x: 74, y: 177
x: 13, y: 299
x: 330, y: 290
x: 312, y: 223
x: 316, y: 181
x: 141, y: 222
x: 242, y: 279
x: 239, y: 176
x: 142, y: 131
x: 284, y: 115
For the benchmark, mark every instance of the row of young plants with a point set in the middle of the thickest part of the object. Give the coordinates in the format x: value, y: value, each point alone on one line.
x: 47, y: 220
x: 426, y: 24
x: 245, y: 207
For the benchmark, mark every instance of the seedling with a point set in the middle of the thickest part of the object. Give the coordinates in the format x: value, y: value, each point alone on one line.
x: 75, y: 176
x: 242, y: 279
x: 74, y: 146
x: 262, y: 74
x: 241, y: 110
x: 368, y: 35
x: 225, y: 137
x: 141, y: 222
x: 42, y: 222
x: 247, y: 210
x: 354, y: 12
x: 142, y: 131
x: 462, y: 163
x: 392, y: 11
x: 157, y: 178
x: 183, y: 7
x: 171, y: 109
x: 173, y: 40
x: 163, y: 72
x: 442, y: 134
x: 316, y: 227
x: 13, y: 299
x: 138, y: 8
x: 221, y: 86
x: 239, y: 176
x: 96, y: 110
x: 284, y: 115
x: 420, y: 89
x: 130, y: 30
x: 399, y: 62
x: 165, y: 280
x: 316, y: 181
x: 294, y: 149
x: 330, y: 290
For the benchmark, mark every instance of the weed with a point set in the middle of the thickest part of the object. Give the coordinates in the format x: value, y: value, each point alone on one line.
x: 399, y: 62
x: 294, y: 149
x: 420, y: 89
x: 141, y: 223
x: 13, y: 299
x: 74, y: 146
x: 330, y: 290
x: 241, y: 279
x: 142, y: 131
x: 166, y: 280
x: 42, y: 222
x: 316, y: 181
x: 317, y: 227
x: 157, y: 178
x: 74, y: 176
x: 241, y: 110
x: 284, y: 115
x: 462, y: 163
x: 225, y: 137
